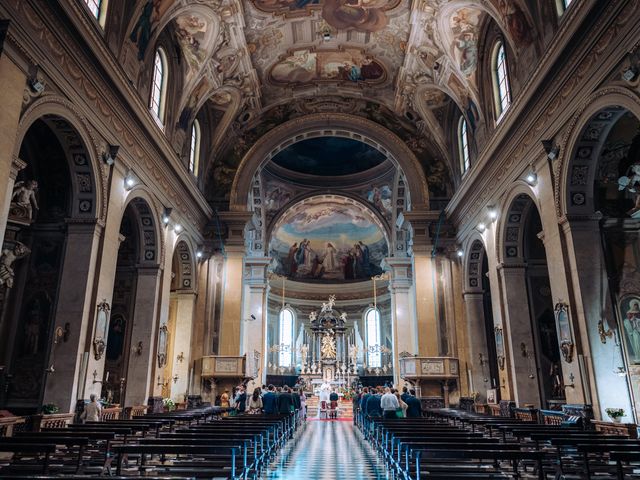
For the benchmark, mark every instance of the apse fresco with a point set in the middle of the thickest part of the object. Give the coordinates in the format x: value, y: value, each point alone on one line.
x: 361, y: 15
x: 328, y: 241
x: 307, y: 66
x: 329, y: 156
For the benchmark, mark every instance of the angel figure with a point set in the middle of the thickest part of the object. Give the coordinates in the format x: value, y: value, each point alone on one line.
x: 6, y: 262
x: 24, y: 196
x: 343, y: 316
x: 313, y: 316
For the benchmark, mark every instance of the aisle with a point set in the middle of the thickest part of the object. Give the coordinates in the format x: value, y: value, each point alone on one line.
x: 327, y: 450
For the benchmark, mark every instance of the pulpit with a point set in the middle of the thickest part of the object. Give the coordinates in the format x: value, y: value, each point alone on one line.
x: 431, y: 374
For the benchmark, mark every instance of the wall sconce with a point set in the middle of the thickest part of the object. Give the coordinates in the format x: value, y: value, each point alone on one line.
x: 175, y: 378
x: 180, y: 358
x: 109, y: 157
x: 61, y: 333
x: 34, y: 82
x: 531, y: 178
x: 137, y: 349
x: 604, y: 334
x: 572, y: 384
x: 162, y: 383
x: 129, y: 180
x: 95, y: 376
x: 528, y: 355
x: 552, y: 150
x: 166, y: 215
x: 460, y: 253
x: 199, y: 254
x: 481, y: 227
x: 177, y: 227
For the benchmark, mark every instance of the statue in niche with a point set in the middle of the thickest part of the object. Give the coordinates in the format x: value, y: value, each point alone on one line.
x: 7, y: 259
x: 328, y: 348
x: 23, y: 199
x: 630, y: 182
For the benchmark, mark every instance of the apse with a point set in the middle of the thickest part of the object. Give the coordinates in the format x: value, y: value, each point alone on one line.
x: 328, y: 239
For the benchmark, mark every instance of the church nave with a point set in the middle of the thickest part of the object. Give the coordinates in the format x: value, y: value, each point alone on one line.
x: 327, y: 450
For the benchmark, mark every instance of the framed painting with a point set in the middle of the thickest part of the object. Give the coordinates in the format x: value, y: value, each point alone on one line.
x: 162, y: 346
x: 565, y: 337
x: 499, y: 337
x: 100, y: 333
x: 492, y: 396
x: 629, y: 308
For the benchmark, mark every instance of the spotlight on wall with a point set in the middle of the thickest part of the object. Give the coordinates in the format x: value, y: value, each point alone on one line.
x: 34, y: 82
x: 177, y: 228
x: 129, y: 180
x: 199, y: 254
x: 531, y: 178
x: 166, y: 215
x: 551, y: 149
x: 629, y: 74
x: 492, y: 213
x: 481, y: 227
x: 460, y: 253
x: 110, y: 155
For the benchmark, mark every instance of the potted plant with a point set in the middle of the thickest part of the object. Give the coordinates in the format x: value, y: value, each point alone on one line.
x: 168, y: 404
x: 50, y: 409
x: 615, y: 413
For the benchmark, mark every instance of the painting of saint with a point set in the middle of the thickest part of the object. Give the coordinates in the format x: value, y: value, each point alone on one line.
x: 630, y: 316
x: 464, y: 27
x: 190, y: 31
x: 330, y: 241
x: 305, y: 66
x: 381, y: 198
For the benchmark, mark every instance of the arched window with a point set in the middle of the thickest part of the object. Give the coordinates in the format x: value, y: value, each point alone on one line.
x: 562, y: 5
x: 286, y: 337
x: 98, y: 8
x: 159, y: 86
x: 194, y: 151
x: 372, y: 325
x: 501, y: 89
x: 463, y: 145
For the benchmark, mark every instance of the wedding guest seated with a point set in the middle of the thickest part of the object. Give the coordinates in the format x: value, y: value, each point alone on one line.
x: 255, y: 402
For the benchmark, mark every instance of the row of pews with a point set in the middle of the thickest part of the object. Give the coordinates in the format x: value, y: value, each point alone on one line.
x: 455, y: 445
x: 199, y: 443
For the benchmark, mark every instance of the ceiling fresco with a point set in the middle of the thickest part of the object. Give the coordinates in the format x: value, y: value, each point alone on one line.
x: 407, y: 65
x: 329, y: 156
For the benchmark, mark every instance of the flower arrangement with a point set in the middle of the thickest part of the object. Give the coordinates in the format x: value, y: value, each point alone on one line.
x: 474, y: 395
x: 347, y: 393
x: 168, y: 404
x: 50, y: 409
x: 615, y: 413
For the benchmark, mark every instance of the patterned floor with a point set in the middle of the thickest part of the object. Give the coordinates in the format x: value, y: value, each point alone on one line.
x: 327, y: 450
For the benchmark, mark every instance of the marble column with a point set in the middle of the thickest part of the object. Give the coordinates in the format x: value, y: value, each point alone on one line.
x: 140, y: 371
x: 13, y: 81
x: 403, y: 325
x: 516, y: 330
x: 185, y: 306
x: 234, y: 251
x: 424, y: 282
x: 476, y: 343
x: 254, y: 331
x: 73, y: 310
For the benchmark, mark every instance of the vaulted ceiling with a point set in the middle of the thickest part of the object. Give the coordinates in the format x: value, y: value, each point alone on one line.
x: 256, y: 63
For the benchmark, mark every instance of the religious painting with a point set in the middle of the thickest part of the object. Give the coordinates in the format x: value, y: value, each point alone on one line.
x: 360, y: 15
x: 163, y: 334
x: 100, y: 334
x: 328, y: 239
x: 190, y: 32
x: 500, y: 353
x: 308, y: 66
x: 381, y: 197
x: 492, y: 396
x: 629, y: 308
x: 564, y: 331
x: 143, y: 30
x: 276, y: 197
x: 464, y: 26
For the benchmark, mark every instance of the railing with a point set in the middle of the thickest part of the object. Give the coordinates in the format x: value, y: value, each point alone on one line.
x: 551, y: 417
x: 111, y: 413
x: 10, y: 424
x: 610, y: 428
x: 56, y: 420
x: 526, y: 414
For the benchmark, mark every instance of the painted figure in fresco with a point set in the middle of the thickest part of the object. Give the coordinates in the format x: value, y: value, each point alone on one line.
x: 292, y: 265
x: 348, y: 265
x: 359, y: 262
x: 329, y: 262
x: 515, y: 20
x: 469, y: 53
x: 316, y: 268
x: 141, y: 33
x: 632, y: 330
x: 365, y: 258
x: 360, y: 15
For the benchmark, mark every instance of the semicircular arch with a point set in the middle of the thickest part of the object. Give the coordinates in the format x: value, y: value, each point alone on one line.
x: 334, y: 124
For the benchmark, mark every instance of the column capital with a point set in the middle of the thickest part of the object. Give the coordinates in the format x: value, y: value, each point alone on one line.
x: 148, y: 270
x: 469, y: 295
x: 256, y: 271
x: 421, y: 221
x: 400, y: 272
x: 235, y: 223
x: 17, y: 164
x: 511, y: 268
x: 83, y: 226
x: 580, y: 222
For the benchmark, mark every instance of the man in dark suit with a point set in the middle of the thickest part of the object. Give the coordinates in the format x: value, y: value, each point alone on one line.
x: 405, y: 394
x: 374, y: 409
x: 241, y: 399
x: 295, y: 395
x: 270, y: 401
x: 414, y: 406
x: 285, y: 401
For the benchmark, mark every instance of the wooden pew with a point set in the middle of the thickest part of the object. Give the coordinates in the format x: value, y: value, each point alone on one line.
x: 40, y: 449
